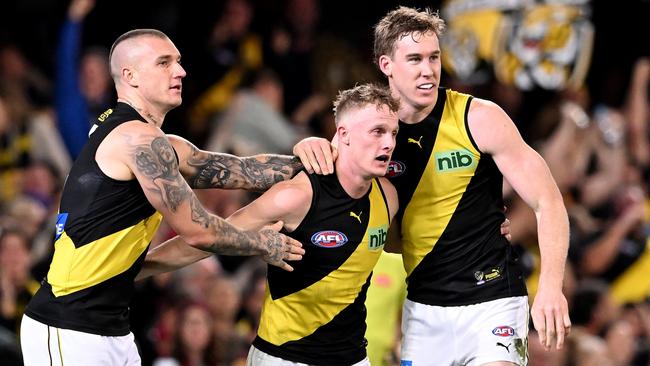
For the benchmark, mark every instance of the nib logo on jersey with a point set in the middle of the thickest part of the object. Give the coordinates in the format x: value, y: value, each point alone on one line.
x: 395, y: 169
x: 377, y: 237
x: 329, y: 239
x: 454, y: 160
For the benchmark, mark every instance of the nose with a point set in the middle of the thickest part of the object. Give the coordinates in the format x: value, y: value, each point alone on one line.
x: 389, y: 143
x: 426, y: 69
x: 180, y: 71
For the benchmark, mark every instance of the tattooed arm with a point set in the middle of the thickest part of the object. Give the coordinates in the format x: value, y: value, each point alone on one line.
x: 205, y: 169
x: 175, y: 253
x: 149, y: 156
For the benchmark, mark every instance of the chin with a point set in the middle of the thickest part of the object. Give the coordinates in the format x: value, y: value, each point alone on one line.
x: 379, y: 172
x: 426, y: 100
x: 175, y: 103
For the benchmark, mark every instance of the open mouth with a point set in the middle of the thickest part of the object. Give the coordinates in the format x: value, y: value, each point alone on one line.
x: 427, y: 86
x: 382, y: 158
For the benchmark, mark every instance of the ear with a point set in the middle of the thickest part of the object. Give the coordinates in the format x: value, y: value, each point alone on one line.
x: 385, y: 65
x: 129, y: 76
x: 343, y: 135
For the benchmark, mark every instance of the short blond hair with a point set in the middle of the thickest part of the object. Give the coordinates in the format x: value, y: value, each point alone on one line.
x: 363, y: 95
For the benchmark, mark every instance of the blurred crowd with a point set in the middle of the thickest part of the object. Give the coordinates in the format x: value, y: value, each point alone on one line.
x: 259, y: 84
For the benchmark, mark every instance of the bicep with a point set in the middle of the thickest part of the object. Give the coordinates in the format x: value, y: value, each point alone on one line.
x: 153, y: 162
x: 204, y: 169
x: 496, y: 134
x: 253, y: 216
x: 527, y: 173
x: 288, y: 202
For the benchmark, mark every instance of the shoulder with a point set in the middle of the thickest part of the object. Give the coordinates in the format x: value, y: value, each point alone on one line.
x: 183, y: 147
x: 135, y: 132
x: 391, y: 195
x: 288, y: 201
x: 480, y: 107
x: 130, y: 135
x: 129, y: 144
x: 291, y: 194
x: 490, y: 126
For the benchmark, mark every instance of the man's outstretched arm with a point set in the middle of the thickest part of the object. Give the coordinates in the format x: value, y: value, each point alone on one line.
x: 205, y: 169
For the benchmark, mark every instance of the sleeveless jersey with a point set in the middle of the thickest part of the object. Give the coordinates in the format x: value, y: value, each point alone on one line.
x: 316, y: 314
x: 103, y: 231
x: 450, y: 198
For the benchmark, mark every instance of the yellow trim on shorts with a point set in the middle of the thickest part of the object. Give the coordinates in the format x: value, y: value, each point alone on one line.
x: 58, y: 338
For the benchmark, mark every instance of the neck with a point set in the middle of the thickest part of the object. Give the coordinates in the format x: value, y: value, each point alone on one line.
x: 151, y: 117
x: 412, y: 114
x: 354, y: 184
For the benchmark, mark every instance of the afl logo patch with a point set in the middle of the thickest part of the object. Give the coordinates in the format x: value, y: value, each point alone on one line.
x: 395, y: 169
x: 503, y: 331
x: 329, y: 239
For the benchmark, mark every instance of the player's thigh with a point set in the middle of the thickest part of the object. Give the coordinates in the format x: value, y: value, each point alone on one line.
x: 499, y: 329
x: 426, y: 336
x: 46, y: 345
x: 79, y: 348
x: 35, y: 343
x: 257, y: 357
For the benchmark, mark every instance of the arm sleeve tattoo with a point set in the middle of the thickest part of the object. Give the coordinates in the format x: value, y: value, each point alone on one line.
x: 157, y: 162
x: 259, y: 173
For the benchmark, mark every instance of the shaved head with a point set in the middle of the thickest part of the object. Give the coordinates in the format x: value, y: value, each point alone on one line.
x: 122, y: 50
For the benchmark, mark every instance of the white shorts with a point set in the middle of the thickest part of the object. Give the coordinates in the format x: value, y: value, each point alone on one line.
x: 260, y: 358
x: 465, y: 335
x: 45, y: 345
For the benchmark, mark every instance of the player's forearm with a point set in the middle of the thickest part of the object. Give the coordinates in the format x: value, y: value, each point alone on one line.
x: 221, y: 237
x: 256, y: 173
x: 263, y: 171
x: 171, y: 255
x: 553, y: 236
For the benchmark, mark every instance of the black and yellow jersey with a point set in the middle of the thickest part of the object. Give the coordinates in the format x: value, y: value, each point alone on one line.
x: 316, y: 314
x: 102, y: 234
x: 451, y: 209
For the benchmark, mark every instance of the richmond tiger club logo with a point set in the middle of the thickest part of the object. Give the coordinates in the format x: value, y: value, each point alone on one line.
x: 395, y: 169
x: 329, y: 239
